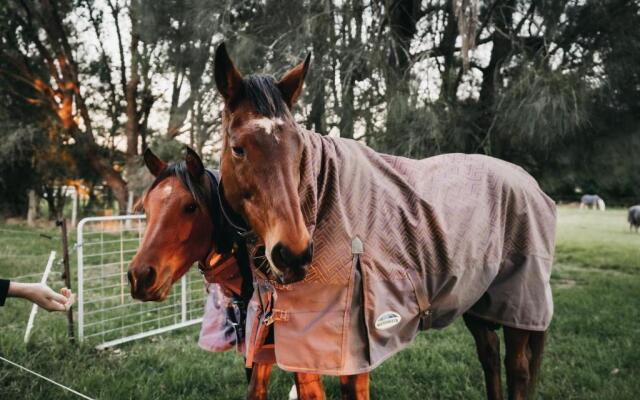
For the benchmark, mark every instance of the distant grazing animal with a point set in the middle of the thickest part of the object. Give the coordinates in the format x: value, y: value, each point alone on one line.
x: 592, y: 201
x: 634, y: 217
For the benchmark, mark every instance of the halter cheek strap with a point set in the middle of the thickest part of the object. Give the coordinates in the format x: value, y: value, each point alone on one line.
x: 228, y: 264
x: 231, y: 217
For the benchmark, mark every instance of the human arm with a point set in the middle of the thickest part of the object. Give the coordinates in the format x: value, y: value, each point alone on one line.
x: 42, y: 295
x: 4, y: 290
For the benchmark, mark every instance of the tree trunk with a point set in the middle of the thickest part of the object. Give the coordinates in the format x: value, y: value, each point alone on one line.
x: 132, y: 127
x: 403, y: 16
x: 51, y: 205
x: 320, y: 28
x: 347, y: 73
x: 492, y: 76
x: 32, y: 213
x: 66, y: 101
x: 447, y: 48
x: 499, y: 52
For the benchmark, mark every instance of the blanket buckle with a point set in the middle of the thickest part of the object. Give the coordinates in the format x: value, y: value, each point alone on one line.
x: 425, y: 319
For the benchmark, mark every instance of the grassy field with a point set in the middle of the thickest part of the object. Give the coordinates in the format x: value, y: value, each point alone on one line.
x: 592, y: 351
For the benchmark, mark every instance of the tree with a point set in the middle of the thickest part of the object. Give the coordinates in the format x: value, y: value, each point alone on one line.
x: 548, y: 85
x: 37, y: 50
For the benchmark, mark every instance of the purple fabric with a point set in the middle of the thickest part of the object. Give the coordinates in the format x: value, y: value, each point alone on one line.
x: 217, y: 333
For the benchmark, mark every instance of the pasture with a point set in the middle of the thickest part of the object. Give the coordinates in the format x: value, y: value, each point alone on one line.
x: 592, y: 350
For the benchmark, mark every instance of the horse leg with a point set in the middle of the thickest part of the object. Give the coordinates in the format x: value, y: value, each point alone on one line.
x: 536, y: 347
x: 517, y: 362
x: 488, y: 349
x: 355, y: 387
x: 309, y: 386
x: 259, y: 382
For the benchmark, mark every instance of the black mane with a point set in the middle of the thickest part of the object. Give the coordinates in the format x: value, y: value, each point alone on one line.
x: 223, y: 236
x: 179, y: 170
x: 265, y: 96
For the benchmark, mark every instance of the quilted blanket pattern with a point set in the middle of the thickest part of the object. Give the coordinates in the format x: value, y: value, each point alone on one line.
x: 478, y: 233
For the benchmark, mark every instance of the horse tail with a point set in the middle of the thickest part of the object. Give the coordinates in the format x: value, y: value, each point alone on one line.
x: 536, y: 345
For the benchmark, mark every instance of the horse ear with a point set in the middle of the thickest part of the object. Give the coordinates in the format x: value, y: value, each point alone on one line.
x: 194, y: 163
x: 291, y: 83
x: 228, y: 78
x: 153, y: 163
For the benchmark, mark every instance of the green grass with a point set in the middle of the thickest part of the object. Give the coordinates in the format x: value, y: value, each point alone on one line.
x: 592, y: 352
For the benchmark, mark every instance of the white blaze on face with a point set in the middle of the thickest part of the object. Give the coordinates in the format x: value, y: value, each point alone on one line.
x: 269, y: 126
x: 166, y: 191
x: 266, y: 124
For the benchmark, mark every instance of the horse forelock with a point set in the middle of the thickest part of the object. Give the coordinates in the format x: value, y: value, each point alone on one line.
x: 264, y: 95
x: 179, y: 170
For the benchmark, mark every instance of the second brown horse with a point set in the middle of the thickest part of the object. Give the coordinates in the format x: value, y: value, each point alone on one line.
x: 182, y: 230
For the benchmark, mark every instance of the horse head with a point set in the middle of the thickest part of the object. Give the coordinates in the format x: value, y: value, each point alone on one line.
x: 179, y: 229
x: 260, y: 162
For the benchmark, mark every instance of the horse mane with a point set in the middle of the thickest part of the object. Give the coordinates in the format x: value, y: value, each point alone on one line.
x: 223, y: 233
x: 180, y: 171
x: 265, y: 96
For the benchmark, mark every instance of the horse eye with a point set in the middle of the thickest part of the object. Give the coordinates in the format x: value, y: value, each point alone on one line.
x: 190, y: 208
x: 237, y: 151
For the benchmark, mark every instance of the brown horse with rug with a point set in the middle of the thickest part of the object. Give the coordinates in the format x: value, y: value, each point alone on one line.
x: 185, y: 225
x: 364, y: 249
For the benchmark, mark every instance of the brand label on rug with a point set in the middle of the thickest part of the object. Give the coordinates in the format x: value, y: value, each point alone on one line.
x: 388, y: 319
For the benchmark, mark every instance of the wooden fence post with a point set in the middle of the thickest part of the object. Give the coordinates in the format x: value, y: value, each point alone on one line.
x: 66, y: 275
x: 33, y: 208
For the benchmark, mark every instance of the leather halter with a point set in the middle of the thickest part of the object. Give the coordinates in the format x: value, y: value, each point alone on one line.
x: 223, y: 217
x: 221, y: 211
x: 234, y: 219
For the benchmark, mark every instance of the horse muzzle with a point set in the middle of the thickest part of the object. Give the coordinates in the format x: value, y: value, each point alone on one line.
x: 143, y: 284
x: 292, y: 267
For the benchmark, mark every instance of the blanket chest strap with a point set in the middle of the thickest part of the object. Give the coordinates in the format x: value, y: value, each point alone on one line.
x: 421, y: 297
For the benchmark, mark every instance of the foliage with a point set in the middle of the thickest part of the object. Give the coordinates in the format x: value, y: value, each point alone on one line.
x: 540, y: 108
x: 552, y: 86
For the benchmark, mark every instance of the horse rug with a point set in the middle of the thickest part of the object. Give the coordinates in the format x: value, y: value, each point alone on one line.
x: 403, y: 245
x: 217, y: 332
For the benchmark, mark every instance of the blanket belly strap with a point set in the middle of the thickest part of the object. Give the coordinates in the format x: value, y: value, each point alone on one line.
x: 421, y: 297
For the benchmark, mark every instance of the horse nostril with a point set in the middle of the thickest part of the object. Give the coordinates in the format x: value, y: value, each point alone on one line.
x: 284, y: 254
x: 150, y: 277
x: 281, y: 255
x: 132, y: 280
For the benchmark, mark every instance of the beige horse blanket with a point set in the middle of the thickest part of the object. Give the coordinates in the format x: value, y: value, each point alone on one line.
x: 403, y: 245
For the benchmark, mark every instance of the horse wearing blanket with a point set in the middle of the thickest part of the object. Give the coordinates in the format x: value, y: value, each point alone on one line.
x: 358, y: 251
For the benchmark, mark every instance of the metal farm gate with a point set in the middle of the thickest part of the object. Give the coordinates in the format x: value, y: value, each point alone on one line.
x: 107, y: 314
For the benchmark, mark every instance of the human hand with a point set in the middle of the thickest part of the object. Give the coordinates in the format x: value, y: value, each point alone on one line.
x: 43, y: 295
